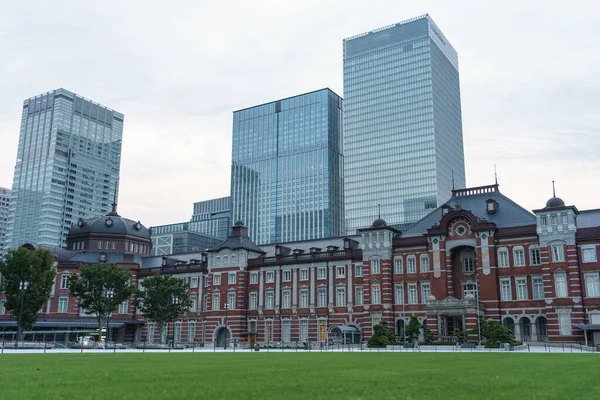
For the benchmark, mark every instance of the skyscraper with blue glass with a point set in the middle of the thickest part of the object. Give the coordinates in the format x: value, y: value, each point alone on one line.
x: 403, y: 140
x: 68, y: 164
x: 287, y: 168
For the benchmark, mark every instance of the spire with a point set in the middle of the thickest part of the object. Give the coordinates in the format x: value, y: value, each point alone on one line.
x: 379, y: 211
x: 452, y: 179
x: 114, y: 212
x: 553, y: 190
x: 495, y: 175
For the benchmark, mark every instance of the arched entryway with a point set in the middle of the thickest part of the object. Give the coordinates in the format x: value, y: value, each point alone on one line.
x: 541, y: 324
x: 222, y: 336
x: 525, y: 328
x: 344, y: 334
x: 509, y: 324
x: 400, y: 327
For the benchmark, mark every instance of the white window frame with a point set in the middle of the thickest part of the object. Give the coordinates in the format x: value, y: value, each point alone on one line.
x: 124, y: 307
x: 63, y: 305
x: 340, y: 271
x: 558, y: 252
x: 376, y: 293
x: 413, y: 294
x: 286, y: 330
x: 286, y: 275
x: 193, y: 302
x: 533, y: 259
x: 398, y: 265
x: 468, y: 263
x: 270, y: 277
x: 503, y: 259
x: 564, y: 321
x: 65, y: 277
x: 424, y: 262
x: 588, y: 254
x: 518, y: 256
x: 537, y: 289
x: 359, y: 297
x: 375, y: 266
x: 303, y: 330
x: 400, y: 293
x: 321, y: 273
x: 269, y: 300
x: 304, y: 274
x: 340, y: 296
x: 425, y: 291
x: 231, y: 300
x: 592, y: 284
x: 304, y: 298
x: 194, y: 282
x: 469, y: 287
x: 216, y: 302
x: 253, y: 301
x: 358, y: 271
x: 231, y: 278
x: 2, y: 306
x: 561, y: 287
x: 521, y: 286
x: 322, y: 297
x: 253, y: 278
x: 217, y: 279
x: 411, y: 264
x: 286, y: 299
x: 505, y: 289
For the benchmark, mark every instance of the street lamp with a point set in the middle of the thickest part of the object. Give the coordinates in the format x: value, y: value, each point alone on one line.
x: 110, y: 294
x: 175, y: 301
x: 226, y: 310
x: 22, y: 288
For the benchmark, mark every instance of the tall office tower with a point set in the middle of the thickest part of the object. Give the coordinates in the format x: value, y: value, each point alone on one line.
x: 211, y: 217
x: 4, y: 205
x: 403, y: 139
x: 68, y: 163
x: 287, y: 168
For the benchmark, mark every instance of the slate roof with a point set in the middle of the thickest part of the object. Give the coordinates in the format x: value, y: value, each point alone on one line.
x: 588, y: 219
x: 508, y: 214
x: 239, y: 242
x: 116, y: 225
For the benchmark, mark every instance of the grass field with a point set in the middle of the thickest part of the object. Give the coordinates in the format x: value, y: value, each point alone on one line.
x: 300, y: 376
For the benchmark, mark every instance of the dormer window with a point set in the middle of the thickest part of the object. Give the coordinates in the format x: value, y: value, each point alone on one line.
x: 445, y: 209
x: 491, y: 206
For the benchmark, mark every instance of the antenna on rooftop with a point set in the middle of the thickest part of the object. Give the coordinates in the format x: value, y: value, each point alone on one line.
x: 452, y: 179
x: 379, y: 211
x: 553, y: 190
x: 495, y: 175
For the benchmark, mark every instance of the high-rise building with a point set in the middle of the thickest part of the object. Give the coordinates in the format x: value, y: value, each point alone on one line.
x: 403, y: 143
x: 180, y: 239
x: 68, y: 163
x: 4, y: 205
x: 287, y: 168
x: 212, y: 217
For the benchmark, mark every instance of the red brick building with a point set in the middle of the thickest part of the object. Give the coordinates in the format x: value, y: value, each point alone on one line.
x: 479, y: 254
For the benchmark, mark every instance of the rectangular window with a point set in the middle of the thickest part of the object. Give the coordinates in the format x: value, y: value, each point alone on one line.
x: 269, y: 330
x: 544, y: 220
x: 287, y: 276
x: 412, y: 293
x: 303, y: 274
x: 2, y: 307
x: 270, y: 277
x: 205, y: 302
x: 469, y: 289
x: 505, y: 290
x: 398, y: 267
x: 400, y: 294
x: 425, y: 291
x: 64, y: 281
x: 503, y: 258
x: 424, y: 263
x: 554, y: 220
x: 217, y: 278
x: 177, y: 332
x: 564, y: 320
x: 376, y: 294
x: 303, y: 298
x: 519, y: 257
x: 231, y: 278
x: 558, y: 253
x: 63, y: 304
x: 538, y: 287
x: 253, y: 278
x: 534, y: 254
x: 151, y: 328
x: 322, y: 330
x: 521, y: 288
x: 322, y: 273
x: 270, y: 303
x: 303, y: 330
x: 340, y: 272
x: 286, y: 329
x: 359, y: 299
x: 193, y: 302
x: 231, y: 300
x: 341, y: 296
x: 252, y: 327
x: 468, y: 264
x: 411, y: 267
x: 375, y: 266
x: 192, y: 331
x: 216, y: 301
x: 287, y: 299
x: 592, y: 285
x: 588, y: 254
x: 560, y: 284
x: 194, y: 282
x: 322, y: 297
x: 124, y: 307
x: 358, y: 271
x: 253, y: 301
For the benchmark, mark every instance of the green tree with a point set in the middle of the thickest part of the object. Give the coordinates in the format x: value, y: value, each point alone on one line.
x: 100, y: 289
x: 162, y: 299
x: 427, y: 334
x: 382, y: 335
x: 36, y: 268
x: 460, y: 335
x: 412, y: 329
x: 494, y: 333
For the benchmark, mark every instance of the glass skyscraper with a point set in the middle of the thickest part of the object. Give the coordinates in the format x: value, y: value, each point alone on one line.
x: 68, y: 163
x: 287, y: 168
x: 212, y: 217
x: 402, y: 123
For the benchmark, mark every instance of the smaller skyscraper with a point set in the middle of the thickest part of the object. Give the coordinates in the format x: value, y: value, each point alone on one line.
x: 287, y: 168
x: 212, y: 217
x: 4, y: 205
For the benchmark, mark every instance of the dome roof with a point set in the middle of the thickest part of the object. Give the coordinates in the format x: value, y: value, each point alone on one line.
x: 555, y: 202
x: 379, y: 223
x: 111, y: 224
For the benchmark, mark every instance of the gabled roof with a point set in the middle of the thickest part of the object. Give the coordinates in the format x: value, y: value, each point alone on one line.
x: 238, y: 239
x: 508, y: 214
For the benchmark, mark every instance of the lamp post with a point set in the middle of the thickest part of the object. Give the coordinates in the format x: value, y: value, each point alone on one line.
x: 226, y: 310
x: 477, y: 304
x: 22, y: 288
x: 110, y: 294
x: 175, y: 302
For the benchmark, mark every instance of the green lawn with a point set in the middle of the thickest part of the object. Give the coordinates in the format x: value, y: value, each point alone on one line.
x: 300, y: 376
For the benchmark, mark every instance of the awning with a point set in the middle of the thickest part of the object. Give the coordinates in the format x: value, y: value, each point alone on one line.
x: 588, y: 327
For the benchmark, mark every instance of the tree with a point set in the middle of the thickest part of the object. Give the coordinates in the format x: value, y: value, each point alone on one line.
x: 460, y: 335
x: 427, y: 334
x: 494, y: 333
x: 100, y: 289
x: 36, y: 269
x: 412, y: 329
x: 163, y: 298
x: 382, y: 335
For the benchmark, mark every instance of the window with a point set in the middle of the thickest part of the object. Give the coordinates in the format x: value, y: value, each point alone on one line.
x: 225, y: 260
x: 469, y: 289
x: 560, y: 284
x: 270, y: 277
x: 270, y: 303
x: 231, y: 278
x: 592, y: 284
x: 303, y: 330
x: 216, y: 301
x: 303, y: 274
x: 358, y: 271
x: 322, y: 297
x: 519, y: 256
x: 205, y: 302
x: 192, y: 331
x: 64, y: 281
x: 375, y: 266
x: 287, y: 299
x: 468, y: 263
x: 544, y: 220
x: 503, y: 257
x: 564, y: 219
x: 217, y: 279
x: 2, y: 306
x: 253, y: 277
x: 376, y: 294
x: 534, y: 255
x: 231, y: 300
x: 151, y: 327
x: 341, y: 296
x: 269, y: 330
x: 505, y: 291
x: 521, y: 288
x: 412, y: 293
x: 193, y: 302
x: 63, y: 304
x: 322, y: 273
x: 286, y: 328
x: 558, y: 252
x: 340, y: 272
x: 425, y: 291
x: 411, y: 266
x: 400, y: 294
x: 359, y: 298
x: 194, y: 282
x: 564, y: 320
x: 588, y: 254
x: 554, y: 220
x: 537, y: 284
x: 252, y: 327
x: 177, y: 332
x: 124, y: 307
x: 398, y: 267
x: 253, y: 302
x: 303, y: 298
x: 287, y: 276
x: 322, y: 330
x: 99, y: 244
x: 424, y: 263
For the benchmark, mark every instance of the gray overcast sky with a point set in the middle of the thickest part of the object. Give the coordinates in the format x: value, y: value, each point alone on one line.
x: 529, y: 73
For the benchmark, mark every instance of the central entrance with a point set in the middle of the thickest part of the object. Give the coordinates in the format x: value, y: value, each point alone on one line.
x: 222, y: 337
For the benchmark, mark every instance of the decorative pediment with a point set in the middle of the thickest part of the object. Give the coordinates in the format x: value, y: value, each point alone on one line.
x: 475, y: 224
